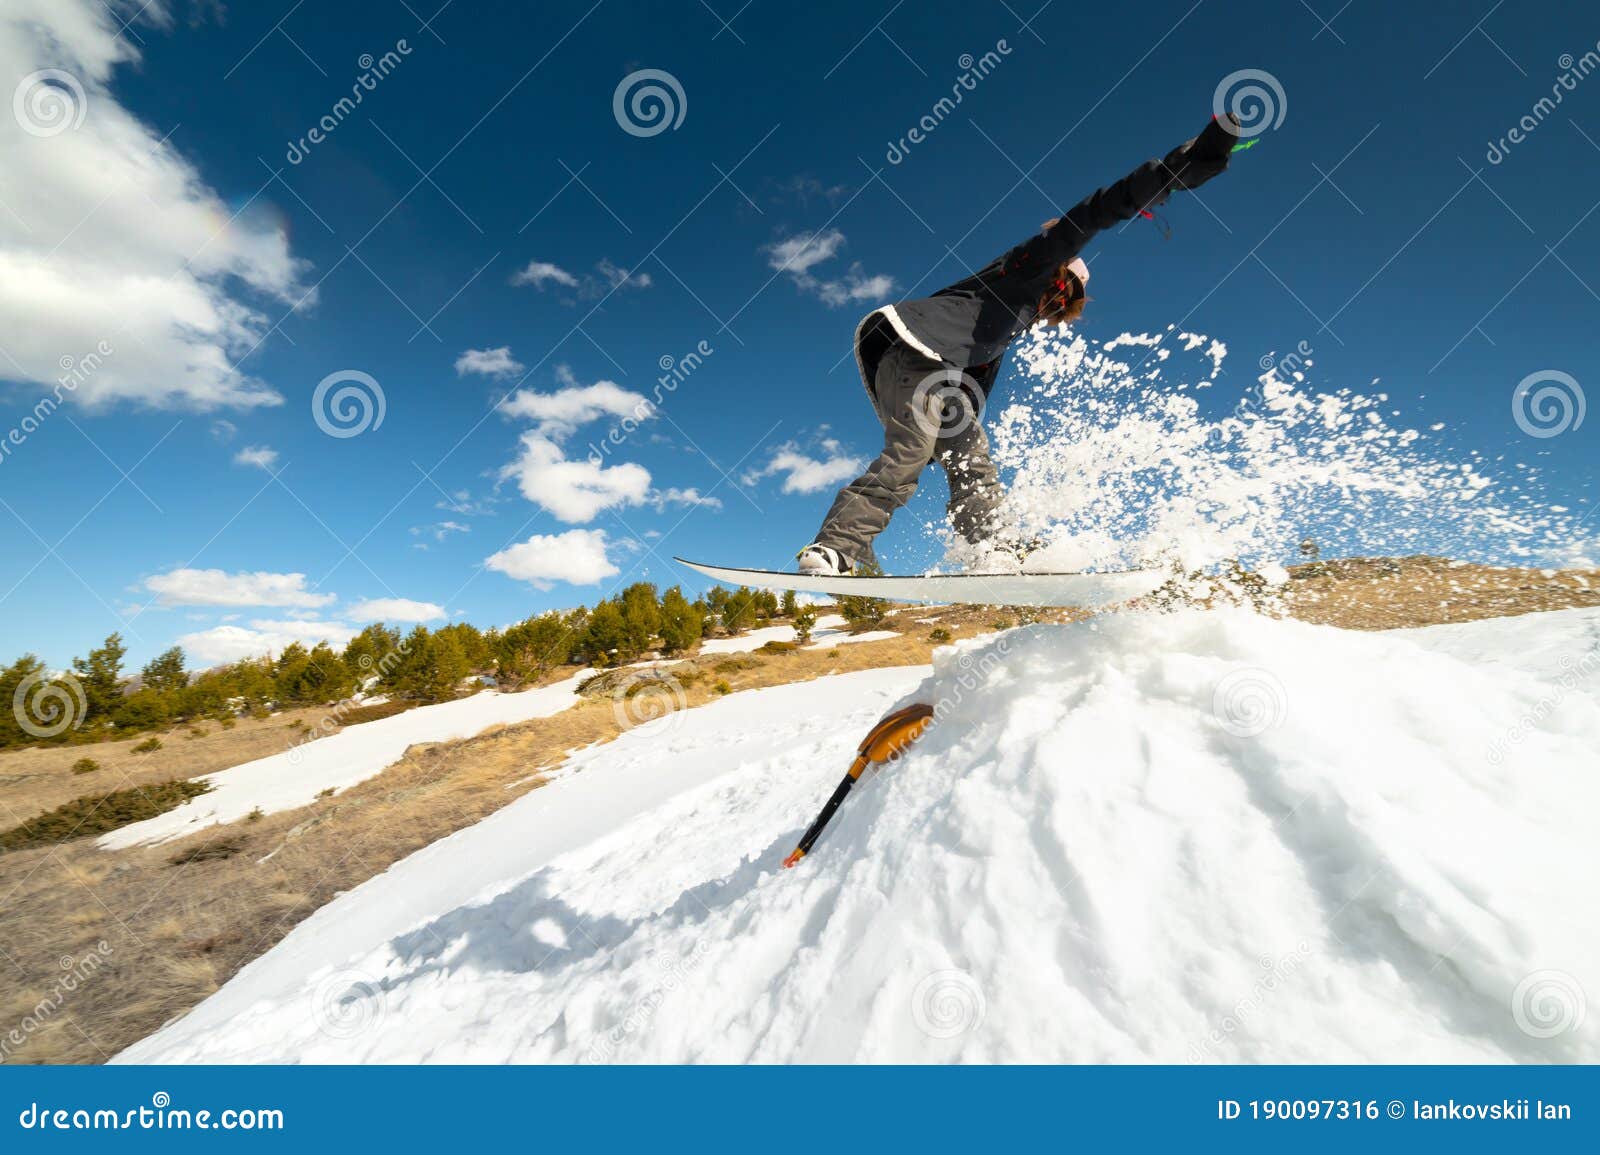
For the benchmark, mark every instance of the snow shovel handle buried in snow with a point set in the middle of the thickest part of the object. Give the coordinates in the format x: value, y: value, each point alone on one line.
x: 889, y: 738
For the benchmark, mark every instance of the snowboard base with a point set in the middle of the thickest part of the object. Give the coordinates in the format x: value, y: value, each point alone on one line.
x: 1081, y: 590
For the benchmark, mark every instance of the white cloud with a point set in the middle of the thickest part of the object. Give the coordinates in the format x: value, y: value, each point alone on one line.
x: 113, y: 250
x: 394, y: 610
x: 577, y: 556
x: 440, y: 530
x: 574, y: 491
x: 262, y: 637
x: 489, y: 362
x: 577, y: 491
x: 805, y: 474
x: 620, y: 278
x: 799, y: 254
x: 215, y: 587
x: 538, y: 273
x: 223, y: 430
x: 675, y: 496
x: 854, y: 286
x: 607, y: 277
x: 561, y: 412
x: 461, y: 501
x: 260, y: 456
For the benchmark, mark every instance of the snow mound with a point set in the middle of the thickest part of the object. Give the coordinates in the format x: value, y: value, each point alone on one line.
x: 1186, y: 837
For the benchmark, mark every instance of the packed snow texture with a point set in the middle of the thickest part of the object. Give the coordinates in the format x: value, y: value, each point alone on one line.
x: 1140, y: 450
x: 338, y: 761
x: 1164, y: 837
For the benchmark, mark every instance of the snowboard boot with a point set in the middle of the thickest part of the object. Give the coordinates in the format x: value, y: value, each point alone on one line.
x: 823, y: 561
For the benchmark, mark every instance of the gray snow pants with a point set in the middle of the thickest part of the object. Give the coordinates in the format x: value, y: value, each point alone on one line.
x: 916, y: 400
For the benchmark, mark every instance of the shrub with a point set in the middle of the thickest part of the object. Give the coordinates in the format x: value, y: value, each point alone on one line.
x: 721, y: 686
x: 221, y: 848
x: 777, y: 647
x: 938, y: 634
x: 805, y: 620
x: 149, y: 746
x: 97, y: 813
x: 85, y: 766
x: 255, y: 815
x: 863, y: 613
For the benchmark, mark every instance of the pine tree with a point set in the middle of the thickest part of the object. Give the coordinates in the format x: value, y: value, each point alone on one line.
x: 681, y: 623
x: 100, y: 675
x: 790, y: 604
x: 739, y: 610
x: 372, y: 650
x: 474, y: 648
x: 166, y: 672
x: 11, y: 678
x: 805, y: 620
x: 605, y: 638
x: 530, y: 649
x: 641, y: 617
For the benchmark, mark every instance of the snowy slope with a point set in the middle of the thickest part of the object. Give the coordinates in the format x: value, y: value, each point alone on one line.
x: 1191, y: 837
x: 297, y: 775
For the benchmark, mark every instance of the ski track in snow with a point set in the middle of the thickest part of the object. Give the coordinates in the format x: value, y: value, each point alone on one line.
x: 1146, y: 837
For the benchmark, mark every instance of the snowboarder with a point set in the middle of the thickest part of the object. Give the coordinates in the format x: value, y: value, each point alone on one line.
x: 929, y: 364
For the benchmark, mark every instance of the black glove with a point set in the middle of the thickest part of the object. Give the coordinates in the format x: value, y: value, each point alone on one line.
x: 1207, y: 154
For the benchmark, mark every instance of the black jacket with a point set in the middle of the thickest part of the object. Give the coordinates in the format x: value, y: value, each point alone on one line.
x: 972, y: 322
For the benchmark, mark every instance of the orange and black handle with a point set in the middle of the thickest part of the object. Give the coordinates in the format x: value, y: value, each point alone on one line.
x: 888, y: 739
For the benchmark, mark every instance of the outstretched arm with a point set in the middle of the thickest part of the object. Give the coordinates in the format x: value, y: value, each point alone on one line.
x: 1188, y: 166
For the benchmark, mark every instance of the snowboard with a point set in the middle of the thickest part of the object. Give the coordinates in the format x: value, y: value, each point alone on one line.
x: 1083, y: 590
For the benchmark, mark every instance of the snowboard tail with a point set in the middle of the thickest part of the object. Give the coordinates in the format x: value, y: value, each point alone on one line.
x: 1081, y: 590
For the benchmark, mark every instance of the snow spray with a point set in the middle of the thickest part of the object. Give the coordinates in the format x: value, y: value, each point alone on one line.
x: 1127, y: 453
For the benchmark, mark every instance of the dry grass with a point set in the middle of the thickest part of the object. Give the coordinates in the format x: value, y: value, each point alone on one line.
x: 1385, y: 593
x: 179, y: 919
x: 42, y: 778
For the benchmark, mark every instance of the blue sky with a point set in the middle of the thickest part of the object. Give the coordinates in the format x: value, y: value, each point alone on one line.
x: 481, y: 226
